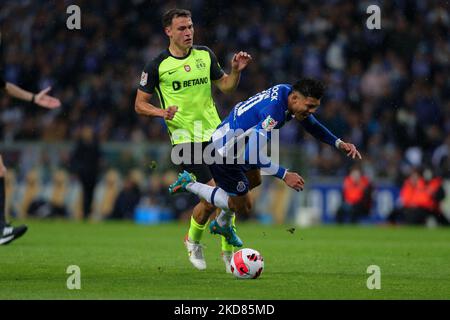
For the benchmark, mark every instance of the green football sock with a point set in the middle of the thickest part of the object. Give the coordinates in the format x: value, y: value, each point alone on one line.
x: 196, y: 230
x: 226, y: 247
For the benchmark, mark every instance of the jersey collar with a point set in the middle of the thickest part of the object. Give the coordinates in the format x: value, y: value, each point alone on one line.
x: 179, y: 58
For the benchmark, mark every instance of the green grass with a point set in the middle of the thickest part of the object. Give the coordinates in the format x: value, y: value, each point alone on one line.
x: 128, y: 261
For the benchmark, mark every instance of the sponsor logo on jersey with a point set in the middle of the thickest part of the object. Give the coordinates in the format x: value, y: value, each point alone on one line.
x: 187, y: 67
x: 177, y: 85
x: 144, y: 78
x: 274, y: 93
x: 269, y: 123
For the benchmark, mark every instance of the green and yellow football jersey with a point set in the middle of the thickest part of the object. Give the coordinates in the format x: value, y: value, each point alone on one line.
x: 186, y: 83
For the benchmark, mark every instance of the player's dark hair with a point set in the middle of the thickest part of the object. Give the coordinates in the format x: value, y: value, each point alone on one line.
x: 310, y: 87
x: 174, y: 13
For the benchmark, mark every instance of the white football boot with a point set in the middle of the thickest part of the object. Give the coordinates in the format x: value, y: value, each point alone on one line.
x: 195, y: 252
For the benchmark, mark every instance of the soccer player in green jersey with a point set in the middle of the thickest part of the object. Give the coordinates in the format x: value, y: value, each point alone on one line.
x: 182, y: 76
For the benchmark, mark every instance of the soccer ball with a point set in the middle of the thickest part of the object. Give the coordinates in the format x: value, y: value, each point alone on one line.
x: 247, y: 264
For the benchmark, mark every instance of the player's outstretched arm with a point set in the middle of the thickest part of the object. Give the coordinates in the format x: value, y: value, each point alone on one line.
x: 319, y: 131
x: 349, y: 148
x: 229, y: 82
x: 41, y: 99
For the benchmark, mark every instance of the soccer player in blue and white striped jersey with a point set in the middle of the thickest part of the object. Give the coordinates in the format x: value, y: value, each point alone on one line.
x: 243, y: 134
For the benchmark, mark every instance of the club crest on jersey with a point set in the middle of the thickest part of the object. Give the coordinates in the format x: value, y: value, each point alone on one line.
x: 187, y: 67
x: 241, y: 186
x: 144, y: 78
x: 200, y: 64
x: 269, y: 123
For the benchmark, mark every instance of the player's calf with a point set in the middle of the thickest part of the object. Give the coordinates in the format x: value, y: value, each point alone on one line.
x: 202, y: 211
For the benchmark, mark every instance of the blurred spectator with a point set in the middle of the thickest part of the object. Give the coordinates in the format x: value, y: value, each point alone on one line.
x: 357, y: 197
x: 64, y: 198
x: 106, y: 193
x: 129, y: 197
x: 441, y: 158
x: 182, y: 204
x: 279, y: 200
x: 393, y: 81
x: 56, y: 194
x: 59, y: 198
x: 431, y: 198
x: 407, y: 199
x: 85, y: 163
x: 157, y: 194
x: 31, y: 194
x: 420, y: 198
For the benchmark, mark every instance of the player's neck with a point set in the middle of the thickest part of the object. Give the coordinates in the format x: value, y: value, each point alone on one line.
x: 177, y: 51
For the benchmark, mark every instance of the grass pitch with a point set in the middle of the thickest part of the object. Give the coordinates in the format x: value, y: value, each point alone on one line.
x: 128, y: 261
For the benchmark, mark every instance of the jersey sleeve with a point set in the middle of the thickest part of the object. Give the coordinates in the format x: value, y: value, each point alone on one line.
x: 149, y: 78
x: 216, y: 71
x: 318, y: 130
x: 2, y: 82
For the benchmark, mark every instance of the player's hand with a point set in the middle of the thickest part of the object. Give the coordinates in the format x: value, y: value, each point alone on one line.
x: 294, y: 180
x: 44, y: 100
x: 350, y: 149
x: 169, y: 113
x: 240, y: 61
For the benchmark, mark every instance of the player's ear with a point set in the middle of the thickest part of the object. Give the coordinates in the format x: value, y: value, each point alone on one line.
x: 297, y: 97
x: 168, y: 31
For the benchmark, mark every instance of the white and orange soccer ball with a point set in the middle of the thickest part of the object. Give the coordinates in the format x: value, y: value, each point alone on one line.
x: 247, y: 264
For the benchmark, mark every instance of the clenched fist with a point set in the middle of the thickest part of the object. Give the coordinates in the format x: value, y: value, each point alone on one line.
x: 169, y: 113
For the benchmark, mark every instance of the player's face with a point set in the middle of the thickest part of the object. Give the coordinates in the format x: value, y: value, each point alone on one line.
x: 181, y: 32
x: 302, y: 106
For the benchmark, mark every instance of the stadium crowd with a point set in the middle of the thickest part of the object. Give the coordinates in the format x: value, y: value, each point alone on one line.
x: 388, y: 90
